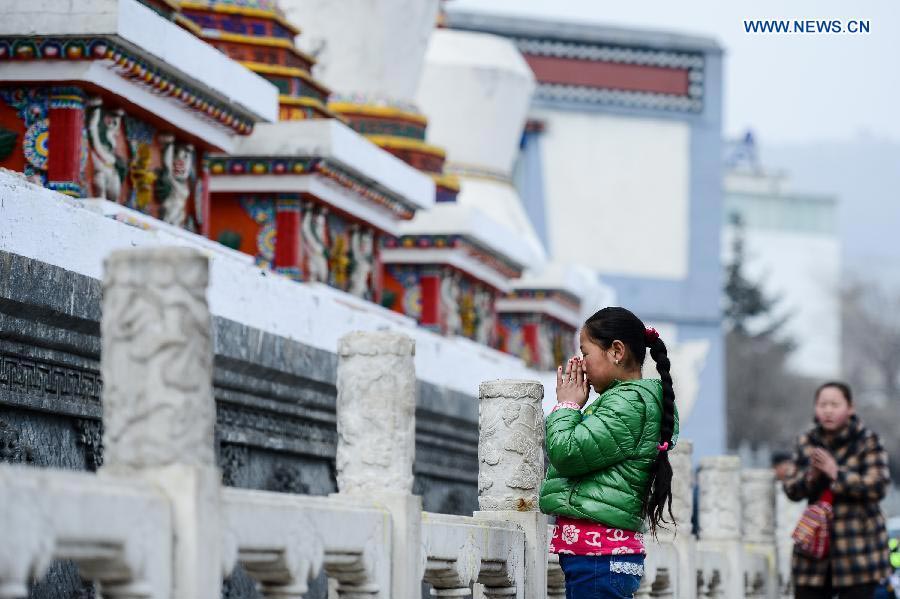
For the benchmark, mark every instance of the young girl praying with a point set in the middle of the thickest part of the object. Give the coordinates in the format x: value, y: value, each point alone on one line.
x: 609, y: 464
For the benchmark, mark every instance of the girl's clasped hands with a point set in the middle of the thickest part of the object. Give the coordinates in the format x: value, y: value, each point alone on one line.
x: 572, y: 384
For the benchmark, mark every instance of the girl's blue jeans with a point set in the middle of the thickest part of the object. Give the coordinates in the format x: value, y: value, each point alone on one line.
x: 602, y: 576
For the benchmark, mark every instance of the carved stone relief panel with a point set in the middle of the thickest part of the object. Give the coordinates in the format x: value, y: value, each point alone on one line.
x: 511, y: 445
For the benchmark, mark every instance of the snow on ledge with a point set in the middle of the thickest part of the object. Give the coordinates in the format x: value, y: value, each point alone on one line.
x: 55, y: 229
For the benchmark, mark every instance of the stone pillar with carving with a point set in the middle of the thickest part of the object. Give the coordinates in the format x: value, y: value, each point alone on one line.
x: 669, y: 568
x: 681, y: 459
x: 719, y: 480
x: 758, y: 528
x: 158, y: 406
x: 510, y: 470
x: 556, y: 581
x: 758, y: 505
x: 787, y: 514
x: 376, y: 425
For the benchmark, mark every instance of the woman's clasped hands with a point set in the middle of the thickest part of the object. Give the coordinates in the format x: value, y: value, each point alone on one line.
x: 822, y: 461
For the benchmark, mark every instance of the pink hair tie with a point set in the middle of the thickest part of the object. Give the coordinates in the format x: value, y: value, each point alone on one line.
x: 650, y: 335
x: 663, y: 446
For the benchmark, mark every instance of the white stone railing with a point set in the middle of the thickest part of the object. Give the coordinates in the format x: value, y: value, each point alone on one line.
x: 462, y: 551
x: 787, y: 513
x: 719, y: 546
x: 283, y: 541
x: 556, y: 581
x: 156, y: 523
x: 670, y: 559
x: 118, y: 532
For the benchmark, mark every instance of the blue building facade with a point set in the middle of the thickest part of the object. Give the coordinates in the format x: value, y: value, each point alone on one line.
x: 626, y: 134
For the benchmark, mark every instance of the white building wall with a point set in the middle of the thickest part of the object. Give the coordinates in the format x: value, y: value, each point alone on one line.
x: 617, y: 192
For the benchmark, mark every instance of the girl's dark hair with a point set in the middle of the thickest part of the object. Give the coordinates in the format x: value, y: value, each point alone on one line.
x: 606, y: 326
x: 844, y: 388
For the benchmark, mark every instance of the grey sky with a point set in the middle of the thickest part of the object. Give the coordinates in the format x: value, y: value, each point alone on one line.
x: 788, y: 87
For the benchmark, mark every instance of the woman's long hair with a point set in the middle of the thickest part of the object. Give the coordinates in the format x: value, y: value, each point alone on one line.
x: 606, y: 326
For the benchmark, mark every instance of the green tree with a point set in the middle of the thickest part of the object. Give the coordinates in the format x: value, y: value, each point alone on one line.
x: 767, y: 404
x: 746, y: 303
x: 870, y: 331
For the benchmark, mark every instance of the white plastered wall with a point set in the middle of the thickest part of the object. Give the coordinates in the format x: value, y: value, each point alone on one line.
x: 617, y: 192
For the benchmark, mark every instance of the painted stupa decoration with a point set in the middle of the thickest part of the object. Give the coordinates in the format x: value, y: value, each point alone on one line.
x: 89, y: 112
x: 307, y: 196
x: 370, y: 53
x: 312, y: 200
x: 453, y: 262
x: 540, y: 315
x: 165, y: 8
x: 171, y: 11
x: 256, y: 34
x: 399, y: 129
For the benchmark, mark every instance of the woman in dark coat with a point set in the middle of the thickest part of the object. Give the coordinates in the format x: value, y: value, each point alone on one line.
x: 842, y: 459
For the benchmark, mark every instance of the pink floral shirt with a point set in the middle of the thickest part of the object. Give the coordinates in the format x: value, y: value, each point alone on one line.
x: 583, y: 537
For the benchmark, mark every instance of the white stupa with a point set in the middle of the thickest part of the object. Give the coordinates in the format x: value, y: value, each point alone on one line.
x: 370, y: 50
x: 475, y: 90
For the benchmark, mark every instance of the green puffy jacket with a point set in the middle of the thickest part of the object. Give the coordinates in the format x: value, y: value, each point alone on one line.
x: 600, y: 459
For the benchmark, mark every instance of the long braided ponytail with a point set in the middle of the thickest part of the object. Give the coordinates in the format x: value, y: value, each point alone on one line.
x: 608, y: 325
x: 660, y: 485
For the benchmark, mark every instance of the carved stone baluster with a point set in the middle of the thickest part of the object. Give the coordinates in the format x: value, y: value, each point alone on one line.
x: 452, y: 578
x: 510, y: 469
x: 680, y: 536
x: 720, y: 501
x: 376, y: 424
x: 498, y: 580
x: 158, y: 407
x: 556, y: 581
x: 720, y: 521
x: 278, y: 545
x: 715, y: 589
x: 352, y: 574
x: 758, y: 505
x: 681, y: 459
x: 787, y: 513
x: 645, y: 590
x: 662, y: 585
x: 758, y: 528
x: 376, y: 406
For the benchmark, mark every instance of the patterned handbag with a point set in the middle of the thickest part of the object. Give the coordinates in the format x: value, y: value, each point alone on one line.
x: 811, y: 536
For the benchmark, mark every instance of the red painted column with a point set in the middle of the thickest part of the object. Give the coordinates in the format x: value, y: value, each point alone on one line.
x: 530, y: 337
x: 66, y: 116
x: 430, y: 283
x: 377, y: 268
x: 205, y: 202
x: 287, y: 237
